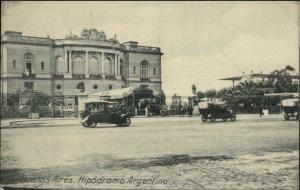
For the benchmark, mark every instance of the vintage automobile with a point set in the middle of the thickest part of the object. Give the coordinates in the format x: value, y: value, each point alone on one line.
x: 122, y: 120
x: 212, y: 111
x: 290, y: 108
x: 108, y: 112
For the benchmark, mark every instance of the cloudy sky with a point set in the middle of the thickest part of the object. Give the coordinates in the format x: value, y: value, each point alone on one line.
x: 201, y: 41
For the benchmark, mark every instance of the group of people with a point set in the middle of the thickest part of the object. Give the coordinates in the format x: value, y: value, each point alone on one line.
x: 186, y: 110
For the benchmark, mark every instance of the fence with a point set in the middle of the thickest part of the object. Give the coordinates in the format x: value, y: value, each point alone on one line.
x: 12, y: 112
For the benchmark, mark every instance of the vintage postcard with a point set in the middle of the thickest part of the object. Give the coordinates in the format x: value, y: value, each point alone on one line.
x: 149, y: 95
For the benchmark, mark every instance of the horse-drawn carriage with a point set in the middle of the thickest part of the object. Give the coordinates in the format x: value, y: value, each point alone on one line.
x: 215, y: 110
x: 290, y: 108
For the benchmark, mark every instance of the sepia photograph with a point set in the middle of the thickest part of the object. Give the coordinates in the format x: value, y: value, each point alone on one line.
x: 149, y: 95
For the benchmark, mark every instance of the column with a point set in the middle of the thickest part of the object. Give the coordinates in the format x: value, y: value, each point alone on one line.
x: 116, y: 64
x: 120, y: 65
x: 70, y: 63
x: 117, y: 67
x: 102, y: 65
x: 66, y: 61
x: 86, y: 64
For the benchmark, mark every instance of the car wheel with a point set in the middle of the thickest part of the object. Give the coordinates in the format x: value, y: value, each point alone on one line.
x: 212, y: 118
x: 233, y: 117
x: 84, y: 124
x: 93, y: 125
x: 127, y: 122
x: 204, y: 119
x: 287, y: 116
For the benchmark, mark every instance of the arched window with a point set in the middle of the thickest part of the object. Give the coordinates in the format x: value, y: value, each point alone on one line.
x: 28, y: 62
x: 93, y: 66
x: 109, y: 66
x: 78, y: 65
x: 59, y: 66
x: 144, y: 69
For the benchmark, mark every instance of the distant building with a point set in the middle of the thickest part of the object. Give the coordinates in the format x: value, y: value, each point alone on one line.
x: 76, y: 65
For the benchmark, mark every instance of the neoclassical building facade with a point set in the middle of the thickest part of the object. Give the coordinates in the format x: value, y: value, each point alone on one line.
x: 77, y: 64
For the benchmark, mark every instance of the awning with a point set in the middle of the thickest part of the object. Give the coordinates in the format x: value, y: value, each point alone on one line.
x: 120, y: 93
x: 115, y: 94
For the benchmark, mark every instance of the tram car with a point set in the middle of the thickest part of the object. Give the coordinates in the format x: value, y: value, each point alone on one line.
x: 212, y: 111
x: 291, y: 108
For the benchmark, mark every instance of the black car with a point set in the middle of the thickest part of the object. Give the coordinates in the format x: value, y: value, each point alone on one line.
x: 117, y: 118
x: 211, y: 112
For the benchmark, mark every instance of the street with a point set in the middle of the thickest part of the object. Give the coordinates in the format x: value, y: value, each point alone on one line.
x: 174, y: 152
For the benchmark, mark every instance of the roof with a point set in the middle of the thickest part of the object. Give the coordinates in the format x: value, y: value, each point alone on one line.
x: 98, y: 101
x: 294, y: 94
x: 258, y: 75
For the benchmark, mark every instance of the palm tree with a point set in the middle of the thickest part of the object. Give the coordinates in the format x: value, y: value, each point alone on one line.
x: 248, y: 93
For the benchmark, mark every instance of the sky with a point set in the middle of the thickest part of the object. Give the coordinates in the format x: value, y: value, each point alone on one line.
x: 202, y: 42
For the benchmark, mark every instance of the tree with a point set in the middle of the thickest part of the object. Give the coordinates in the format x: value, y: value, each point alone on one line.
x: 200, y: 95
x: 211, y: 93
x: 247, y: 93
x: 282, y: 81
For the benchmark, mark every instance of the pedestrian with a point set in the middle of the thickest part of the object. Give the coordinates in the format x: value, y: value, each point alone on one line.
x: 261, y: 113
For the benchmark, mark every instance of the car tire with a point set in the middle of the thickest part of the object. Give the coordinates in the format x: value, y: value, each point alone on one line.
x: 204, y: 119
x: 212, y: 118
x: 233, y: 117
x: 93, y: 124
x: 287, y: 117
x: 84, y: 125
x: 127, y: 122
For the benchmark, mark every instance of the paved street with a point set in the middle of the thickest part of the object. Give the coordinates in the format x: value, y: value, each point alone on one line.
x: 168, y: 153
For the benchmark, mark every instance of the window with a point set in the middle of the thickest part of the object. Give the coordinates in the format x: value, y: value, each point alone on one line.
x: 154, y: 72
x: 42, y: 65
x: 144, y: 69
x: 60, y: 66
x: 95, y: 86
x: 110, y: 87
x: 29, y: 63
x: 58, y: 87
x: 14, y: 64
x: 134, y: 70
x: 28, y: 85
x: 78, y: 65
